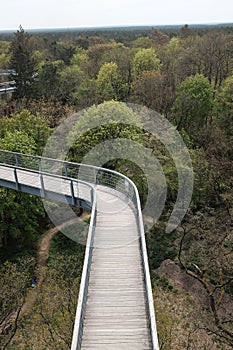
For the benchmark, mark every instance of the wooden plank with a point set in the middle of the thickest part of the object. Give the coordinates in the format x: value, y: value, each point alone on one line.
x: 116, y: 312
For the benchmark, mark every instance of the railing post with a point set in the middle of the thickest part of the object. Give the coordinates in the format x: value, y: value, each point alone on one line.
x: 92, y: 196
x: 95, y: 176
x: 16, y: 179
x: 42, y: 186
x: 40, y: 165
x: 16, y: 159
x: 72, y: 192
x: 65, y: 169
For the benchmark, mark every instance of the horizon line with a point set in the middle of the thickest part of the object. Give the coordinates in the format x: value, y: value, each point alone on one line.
x: 119, y: 26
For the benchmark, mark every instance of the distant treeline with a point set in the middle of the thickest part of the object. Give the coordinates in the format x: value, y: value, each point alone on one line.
x: 120, y: 34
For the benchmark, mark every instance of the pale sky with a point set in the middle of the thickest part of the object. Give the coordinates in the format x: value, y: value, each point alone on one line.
x: 98, y: 13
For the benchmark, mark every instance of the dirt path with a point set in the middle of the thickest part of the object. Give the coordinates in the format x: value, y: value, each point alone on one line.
x: 40, y: 271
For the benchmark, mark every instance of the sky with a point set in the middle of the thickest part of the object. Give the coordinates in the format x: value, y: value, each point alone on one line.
x: 34, y: 14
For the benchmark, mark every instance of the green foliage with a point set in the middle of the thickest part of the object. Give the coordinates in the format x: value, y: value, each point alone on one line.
x: 18, y: 141
x: 224, y: 106
x: 148, y: 90
x: 4, y: 61
x: 163, y: 282
x: 24, y: 64
x: 160, y: 246
x: 189, y: 80
x: 48, y: 85
x: 167, y: 164
x: 203, y: 189
x: 107, y: 121
x: 20, y: 216
x: 70, y: 79
x: 143, y: 42
x: 122, y: 56
x: 96, y: 59
x: 49, y: 323
x: 14, y: 280
x: 61, y: 248
x: 193, y: 103
x: 145, y: 60
x: 38, y: 58
x: 86, y: 94
x: 108, y: 81
x: 79, y: 59
x: 4, y: 46
x: 63, y: 51
x: 24, y: 132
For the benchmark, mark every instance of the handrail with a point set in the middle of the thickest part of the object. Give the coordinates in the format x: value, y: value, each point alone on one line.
x: 88, y: 173
x: 97, y: 176
x: 83, y: 289
x: 149, y: 294
x: 7, y: 90
x: 44, y: 175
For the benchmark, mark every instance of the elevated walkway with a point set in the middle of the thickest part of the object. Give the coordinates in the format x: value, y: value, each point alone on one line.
x: 115, y: 307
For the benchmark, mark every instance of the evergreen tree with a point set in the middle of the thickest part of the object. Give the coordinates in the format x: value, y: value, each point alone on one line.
x: 23, y: 63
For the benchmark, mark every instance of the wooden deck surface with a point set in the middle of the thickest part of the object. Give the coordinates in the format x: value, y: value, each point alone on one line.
x: 116, y: 312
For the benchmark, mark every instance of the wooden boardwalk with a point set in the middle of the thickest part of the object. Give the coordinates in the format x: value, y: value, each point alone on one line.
x: 116, y: 313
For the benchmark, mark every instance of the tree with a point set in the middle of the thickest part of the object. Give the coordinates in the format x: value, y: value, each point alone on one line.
x: 18, y: 141
x: 20, y: 213
x: 23, y: 63
x: 108, y: 81
x: 224, y: 106
x: 86, y: 94
x: 145, y: 60
x: 210, y: 55
x: 48, y: 85
x: 88, y: 132
x: 70, y: 79
x: 66, y: 52
x: 143, y: 42
x: 14, y: 280
x: 4, y: 55
x: 62, y: 51
x: 79, y: 58
x: 159, y: 38
x: 24, y: 132
x: 193, y: 103
x: 148, y: 89
x: 185, y: 31
x: 48, y: 315
x: 173, y: 74
x: 205, y: 254
x: 4, y: 47
x: 95, y: 55
x: 20, y: 216
x: 4, y: 61
x: 122, y: 56
x: 216, y: 52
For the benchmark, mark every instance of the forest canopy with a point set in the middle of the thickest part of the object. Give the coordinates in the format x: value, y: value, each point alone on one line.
x: 185, y: 73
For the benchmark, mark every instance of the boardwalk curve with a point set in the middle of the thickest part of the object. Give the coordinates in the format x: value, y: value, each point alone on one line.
x: 115, y: 305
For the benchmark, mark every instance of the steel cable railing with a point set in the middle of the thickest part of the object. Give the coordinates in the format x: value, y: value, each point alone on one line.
x: 97, y: 176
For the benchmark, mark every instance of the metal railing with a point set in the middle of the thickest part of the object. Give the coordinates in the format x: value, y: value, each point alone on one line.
x: 83, y: 289
x: 96, y: 176
x: 66, y: 189
x: 7, y: 90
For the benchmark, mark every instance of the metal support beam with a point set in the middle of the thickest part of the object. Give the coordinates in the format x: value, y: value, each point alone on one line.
x: 17, y: 186
x: 42, y: 186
